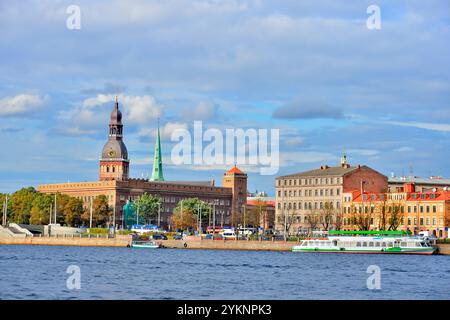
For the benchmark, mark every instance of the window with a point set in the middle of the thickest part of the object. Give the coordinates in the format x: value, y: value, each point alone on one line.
x: 421, y: 221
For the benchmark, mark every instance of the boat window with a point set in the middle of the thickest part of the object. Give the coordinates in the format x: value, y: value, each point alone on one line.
x: 364, y: 244
x: 403, y: 244
x: 390, y: 244
x: 383, y: 244
x: 370, y: 244
x: 358, y: 244
x: 418, y: 244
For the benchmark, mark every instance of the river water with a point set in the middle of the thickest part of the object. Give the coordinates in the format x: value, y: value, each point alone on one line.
x: 39, y: 272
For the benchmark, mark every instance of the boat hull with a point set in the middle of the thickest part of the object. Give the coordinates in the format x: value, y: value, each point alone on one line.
x: 145, y: 245
x: 421, y: 251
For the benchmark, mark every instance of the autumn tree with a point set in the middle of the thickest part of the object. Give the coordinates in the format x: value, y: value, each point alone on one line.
x: 73, y: 211
x: 186, y: 213
x: 101, y: 212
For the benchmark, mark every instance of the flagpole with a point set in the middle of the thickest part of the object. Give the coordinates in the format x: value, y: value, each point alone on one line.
x: 90, y: 216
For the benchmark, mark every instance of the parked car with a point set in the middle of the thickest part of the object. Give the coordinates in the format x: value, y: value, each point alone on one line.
x: 178, y: 237
x: 159, y: 237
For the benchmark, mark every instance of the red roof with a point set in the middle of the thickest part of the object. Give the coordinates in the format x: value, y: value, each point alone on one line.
x: 235, y: 170
x: 410, y: 196
x: 255, y: 202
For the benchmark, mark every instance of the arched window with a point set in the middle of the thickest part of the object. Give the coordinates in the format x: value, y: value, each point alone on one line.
x: 107, y: 169
x: 113, y: 169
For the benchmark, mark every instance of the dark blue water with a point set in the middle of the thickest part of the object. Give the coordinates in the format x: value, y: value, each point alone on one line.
x: 39, y: 272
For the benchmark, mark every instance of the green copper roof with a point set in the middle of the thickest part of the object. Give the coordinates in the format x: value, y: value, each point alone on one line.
x: 157, y: 174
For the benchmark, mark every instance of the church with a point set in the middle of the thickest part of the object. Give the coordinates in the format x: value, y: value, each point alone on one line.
x: 116, y: 184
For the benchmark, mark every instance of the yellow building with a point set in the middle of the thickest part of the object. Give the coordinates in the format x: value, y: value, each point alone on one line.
x: 405, y: 209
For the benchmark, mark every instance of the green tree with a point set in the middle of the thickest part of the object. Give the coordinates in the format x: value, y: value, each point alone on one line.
x: 40, y: 210
x: 148, y: 206
x: 21, y: 204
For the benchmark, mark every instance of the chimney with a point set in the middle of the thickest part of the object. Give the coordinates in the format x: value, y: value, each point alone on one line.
x: 409, y: 187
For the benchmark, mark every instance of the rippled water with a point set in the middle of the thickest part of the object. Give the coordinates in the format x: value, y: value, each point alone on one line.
x: 39, y: 272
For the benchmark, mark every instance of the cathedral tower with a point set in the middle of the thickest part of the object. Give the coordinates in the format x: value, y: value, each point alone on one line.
x: 114, y: 163
x: 157, y: 174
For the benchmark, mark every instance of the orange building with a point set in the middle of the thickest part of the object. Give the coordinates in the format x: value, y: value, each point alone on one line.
x: 405, y: 209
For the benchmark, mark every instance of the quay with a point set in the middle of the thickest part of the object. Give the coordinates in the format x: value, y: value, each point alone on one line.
x: 193, y: 243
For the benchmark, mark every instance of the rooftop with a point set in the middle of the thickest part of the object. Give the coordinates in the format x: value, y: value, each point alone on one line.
x: 418, y: 180
x: 325, y: 171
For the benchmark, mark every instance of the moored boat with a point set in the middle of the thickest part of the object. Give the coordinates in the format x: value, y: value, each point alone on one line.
x: 396, y: 242
x: 145, y: 244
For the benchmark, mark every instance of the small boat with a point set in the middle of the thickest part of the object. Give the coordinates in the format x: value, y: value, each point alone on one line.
x: 145, y: 244
x: 397, y: 242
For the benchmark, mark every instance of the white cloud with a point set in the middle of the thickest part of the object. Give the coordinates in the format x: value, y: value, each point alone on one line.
x: 21, y: 104
x: 422, y: 125
x: 404, y: 149
x: 364, y: 152
x: 136, y: 109
x: 165, y: 131
x: 205, y: 110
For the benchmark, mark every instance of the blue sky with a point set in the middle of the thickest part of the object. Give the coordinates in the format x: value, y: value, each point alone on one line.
x: 309, y: 68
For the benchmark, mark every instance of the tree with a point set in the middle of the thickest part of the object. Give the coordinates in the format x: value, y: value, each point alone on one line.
x: 312, y: 219
x: 21, y: 204
x: 189, y: 216
x: 148, y: 207
x: 364, y: 218
x: 101, y: 212
x: 41, y: 206
x: 396, y: 216
x: 382, y: 215
x: 73, y: 211
x: 339, y: 219
x: 326, y: 215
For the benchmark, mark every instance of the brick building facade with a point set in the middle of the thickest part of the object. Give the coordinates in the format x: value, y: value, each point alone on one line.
x: 115, y: 183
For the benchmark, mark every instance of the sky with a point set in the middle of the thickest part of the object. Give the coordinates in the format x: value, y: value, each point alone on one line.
x: 311, y: 69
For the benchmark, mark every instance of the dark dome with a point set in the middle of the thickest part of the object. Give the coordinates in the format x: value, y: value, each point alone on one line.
x: 116, y: 115
x: 115, y: 149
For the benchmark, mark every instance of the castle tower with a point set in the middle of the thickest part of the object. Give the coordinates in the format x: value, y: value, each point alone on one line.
x: 114, y: 163
x: 157, y: 173
x: 237, y: 181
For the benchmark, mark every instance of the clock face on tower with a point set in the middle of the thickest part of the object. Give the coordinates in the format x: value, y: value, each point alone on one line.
x: 112, y: 153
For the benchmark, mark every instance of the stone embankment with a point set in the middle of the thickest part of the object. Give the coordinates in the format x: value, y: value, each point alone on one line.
x: 70, y: 240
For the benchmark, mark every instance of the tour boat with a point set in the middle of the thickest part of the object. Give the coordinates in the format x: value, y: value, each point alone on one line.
x: 398, y: 242
x: 145, y: 244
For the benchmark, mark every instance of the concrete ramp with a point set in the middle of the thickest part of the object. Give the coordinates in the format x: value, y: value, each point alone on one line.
x: 19, y: 230
x: 11, y: 233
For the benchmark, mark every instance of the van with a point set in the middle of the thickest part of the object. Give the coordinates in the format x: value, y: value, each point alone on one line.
x: 227, y: 234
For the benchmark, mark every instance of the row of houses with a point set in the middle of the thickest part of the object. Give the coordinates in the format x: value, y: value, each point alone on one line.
x: 360, y: 198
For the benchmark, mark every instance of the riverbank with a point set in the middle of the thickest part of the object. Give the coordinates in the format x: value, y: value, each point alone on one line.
x: 193, y: 243
x: 118, y: 241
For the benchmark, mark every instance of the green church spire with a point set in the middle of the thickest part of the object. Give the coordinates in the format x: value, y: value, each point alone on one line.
x: 157, y: 174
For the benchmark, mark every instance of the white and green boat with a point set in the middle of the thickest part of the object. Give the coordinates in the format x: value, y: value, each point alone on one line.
x: 145, y: 244
x: 398, y: 242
